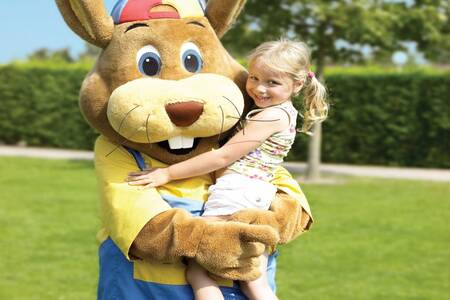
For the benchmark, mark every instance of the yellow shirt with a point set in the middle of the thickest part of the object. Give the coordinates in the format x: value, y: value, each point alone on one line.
x: 126, y: 209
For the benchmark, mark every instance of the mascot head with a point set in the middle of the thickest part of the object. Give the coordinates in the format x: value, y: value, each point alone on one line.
x: 163, y: 84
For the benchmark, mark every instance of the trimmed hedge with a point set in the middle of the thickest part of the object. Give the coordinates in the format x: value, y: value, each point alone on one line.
x: 39, y: 105
x: 391, y: 118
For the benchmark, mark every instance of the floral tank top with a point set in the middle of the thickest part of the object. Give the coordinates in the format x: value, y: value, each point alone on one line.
x: 262, y: 162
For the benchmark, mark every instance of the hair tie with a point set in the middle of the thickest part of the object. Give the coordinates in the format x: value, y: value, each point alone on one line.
x: 311, y: 74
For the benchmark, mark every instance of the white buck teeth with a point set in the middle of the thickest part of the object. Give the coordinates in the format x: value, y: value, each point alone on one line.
x: 181, y: 142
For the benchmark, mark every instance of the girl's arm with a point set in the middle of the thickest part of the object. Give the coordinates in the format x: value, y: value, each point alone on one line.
x: 258, y: 129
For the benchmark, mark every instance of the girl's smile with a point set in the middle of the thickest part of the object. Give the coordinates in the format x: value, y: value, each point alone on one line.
x: 268, y: 87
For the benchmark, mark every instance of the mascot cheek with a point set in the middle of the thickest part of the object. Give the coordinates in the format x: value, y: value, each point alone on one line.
x: 149, y: 110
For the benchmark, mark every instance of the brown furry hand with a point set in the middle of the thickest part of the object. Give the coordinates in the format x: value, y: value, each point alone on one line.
x: 226, y: 249
x: 231, y: 249
x: 286, y: 216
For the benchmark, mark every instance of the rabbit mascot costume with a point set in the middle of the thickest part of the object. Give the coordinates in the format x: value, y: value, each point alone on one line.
x: 163, y: 90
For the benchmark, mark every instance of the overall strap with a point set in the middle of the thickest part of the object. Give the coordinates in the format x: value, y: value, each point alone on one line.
x: 138, y: 158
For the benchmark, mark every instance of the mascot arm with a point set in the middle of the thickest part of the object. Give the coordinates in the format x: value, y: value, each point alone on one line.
x: 289, y: 213
x: 227, y: 249
x: 145, y: 227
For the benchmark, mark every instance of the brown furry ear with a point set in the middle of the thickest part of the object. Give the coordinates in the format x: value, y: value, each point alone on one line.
x: 222, y: 13
x: 88, y: 19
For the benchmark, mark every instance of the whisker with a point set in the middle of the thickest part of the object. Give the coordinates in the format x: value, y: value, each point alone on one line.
x: 120, y: 127
x: 263, y: 120
x: 248, y: 141
x: 222, y: 124
x: 126, y: 115
x: 242, y: 124
x: 122, y: 142
x: 146, y: 129
x: 115, y: 148
x: 235, y: 107
x: 240, y: 118
x: 248, y: 119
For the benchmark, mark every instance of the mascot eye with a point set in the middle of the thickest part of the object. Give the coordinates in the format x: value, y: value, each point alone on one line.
x: 191, y: 58
x: 149, y: 61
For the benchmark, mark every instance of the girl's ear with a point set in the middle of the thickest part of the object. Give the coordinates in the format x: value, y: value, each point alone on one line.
x: 222, y: 13
x: 298, y: 86
x: 88, y: 19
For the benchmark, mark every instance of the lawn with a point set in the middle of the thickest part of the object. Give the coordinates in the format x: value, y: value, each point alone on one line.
x: 373, y: 239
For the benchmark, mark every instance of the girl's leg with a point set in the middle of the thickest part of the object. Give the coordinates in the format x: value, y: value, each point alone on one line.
x: 259, y: 289
x: 204, y: 287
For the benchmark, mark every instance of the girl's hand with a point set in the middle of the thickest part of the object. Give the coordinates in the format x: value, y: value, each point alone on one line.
x: 149, y: 178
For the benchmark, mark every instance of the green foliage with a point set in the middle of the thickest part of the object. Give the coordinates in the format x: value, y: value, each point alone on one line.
x: 83, y: 65
x: 320, y: 23
x: 389, y: 119
x: 385, y: 70
x: 39, y: 105
x: 342, y: 30
x: 44, y: 54
x: 427, y: 22
x: 378, y: 116
x: 339, y: 30
x: 63, y: 56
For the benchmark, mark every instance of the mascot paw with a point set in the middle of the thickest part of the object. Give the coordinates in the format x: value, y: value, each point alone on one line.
x: 256, y: 217
x: 286, y: 217
x: 231, y: 249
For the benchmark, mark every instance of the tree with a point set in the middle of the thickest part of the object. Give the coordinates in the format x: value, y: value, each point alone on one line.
x: 335, y: 30
x: 427, y: 22
x: 40, y: 54
x: 62, y: 55
x: 44, y: 54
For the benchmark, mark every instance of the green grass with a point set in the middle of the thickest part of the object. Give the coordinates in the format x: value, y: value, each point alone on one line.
x: 373, y: 239
x: 47, y: 229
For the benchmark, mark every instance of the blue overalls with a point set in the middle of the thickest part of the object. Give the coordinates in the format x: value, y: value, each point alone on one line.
x: 116, y: 273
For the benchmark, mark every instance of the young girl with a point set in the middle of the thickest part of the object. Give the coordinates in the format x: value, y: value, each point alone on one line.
x: 278, y: 70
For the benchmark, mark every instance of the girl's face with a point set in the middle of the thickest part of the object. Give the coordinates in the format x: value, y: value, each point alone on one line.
x: 268, y: 87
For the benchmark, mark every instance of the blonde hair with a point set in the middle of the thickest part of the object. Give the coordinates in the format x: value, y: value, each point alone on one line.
x: 293, y: 58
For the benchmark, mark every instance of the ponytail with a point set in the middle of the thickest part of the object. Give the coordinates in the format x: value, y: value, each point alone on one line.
x: 314, y: 103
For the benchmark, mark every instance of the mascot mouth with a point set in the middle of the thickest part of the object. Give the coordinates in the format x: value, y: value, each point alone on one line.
x: 180, y: 145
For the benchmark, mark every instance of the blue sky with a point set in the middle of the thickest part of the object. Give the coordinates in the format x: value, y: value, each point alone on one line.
x: 27, y: 25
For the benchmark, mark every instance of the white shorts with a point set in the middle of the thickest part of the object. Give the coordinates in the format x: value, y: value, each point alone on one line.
x: 233, y: 192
